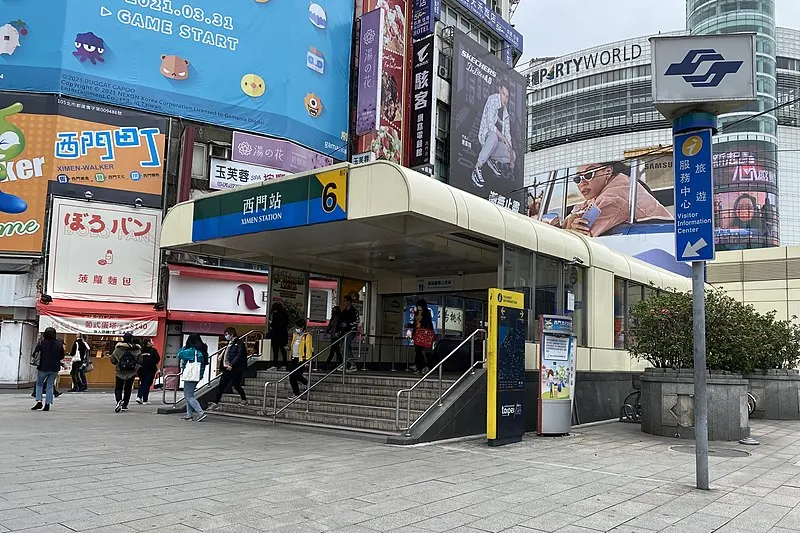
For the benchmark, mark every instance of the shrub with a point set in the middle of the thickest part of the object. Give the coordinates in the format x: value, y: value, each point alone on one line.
x: 738, y: 338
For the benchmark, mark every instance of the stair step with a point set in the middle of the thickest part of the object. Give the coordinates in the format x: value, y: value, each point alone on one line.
x: 367, y: 411
x: 327, y: 419
x: 305, y: 424
x: 365, y: 379
x: 255, y: 388
x: 417, y: 404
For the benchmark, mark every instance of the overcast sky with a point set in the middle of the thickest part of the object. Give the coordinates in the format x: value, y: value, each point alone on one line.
x: 558, y: 27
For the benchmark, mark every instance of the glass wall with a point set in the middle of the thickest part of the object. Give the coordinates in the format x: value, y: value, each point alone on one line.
x: 627, y: 294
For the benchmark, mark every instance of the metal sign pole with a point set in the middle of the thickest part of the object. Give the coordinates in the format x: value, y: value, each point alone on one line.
x: 700, y: 391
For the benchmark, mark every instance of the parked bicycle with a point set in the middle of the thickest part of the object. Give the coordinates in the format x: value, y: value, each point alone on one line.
x: 631, y: 410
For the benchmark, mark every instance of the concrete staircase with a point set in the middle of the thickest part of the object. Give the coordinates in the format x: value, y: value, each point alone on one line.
x: 365, y: 402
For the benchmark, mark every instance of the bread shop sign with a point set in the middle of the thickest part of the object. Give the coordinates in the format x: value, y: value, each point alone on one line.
x: 578, y: 64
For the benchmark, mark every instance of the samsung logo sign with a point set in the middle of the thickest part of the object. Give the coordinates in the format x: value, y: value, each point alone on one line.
x: 576, y: 65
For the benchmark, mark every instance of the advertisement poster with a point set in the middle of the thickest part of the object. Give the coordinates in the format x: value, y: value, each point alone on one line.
x: 287, y: 203
x: 103, y: 252
x: 557, y: 359
x: 595, y: 199
x: 225, y: 174
x: 231, y: 64
x: 487, y: 125
x: 145, y: 326
x: 387, y: 141
x: 505, y: 393
x: 424, y: 15
x: 289, y: 287
x: 370, y: 68
x: 49, y: 141
x: 423, y: 96
x: 275, y: 153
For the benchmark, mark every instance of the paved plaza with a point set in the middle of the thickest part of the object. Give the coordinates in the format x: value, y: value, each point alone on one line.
x: 81, y: 467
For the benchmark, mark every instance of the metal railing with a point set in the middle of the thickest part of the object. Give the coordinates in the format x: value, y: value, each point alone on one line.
x: 177, y: 376
x: 438, y: 367
x: 347, y: 337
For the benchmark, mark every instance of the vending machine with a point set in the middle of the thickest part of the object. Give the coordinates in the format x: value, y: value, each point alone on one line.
x: 557, y: 356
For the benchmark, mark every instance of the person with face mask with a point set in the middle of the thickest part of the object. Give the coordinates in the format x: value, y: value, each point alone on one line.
x: 234, y: 365
x: 422, y: 335
x: 302, y: 350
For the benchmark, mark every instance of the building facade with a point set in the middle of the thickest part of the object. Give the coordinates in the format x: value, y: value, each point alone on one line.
x: 595, y: 106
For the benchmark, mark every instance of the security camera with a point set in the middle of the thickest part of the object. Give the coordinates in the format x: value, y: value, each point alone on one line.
x: 88, y: 195
x: 138, y: 202
x: 577, y: 260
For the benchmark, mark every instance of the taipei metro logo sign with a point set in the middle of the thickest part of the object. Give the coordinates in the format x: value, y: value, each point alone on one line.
x: 694, y: 61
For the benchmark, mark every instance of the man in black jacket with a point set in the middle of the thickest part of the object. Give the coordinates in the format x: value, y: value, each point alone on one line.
x: 148, y: 371
x: 233, y: 369
x: 348, y: 321
x: 50, y: 352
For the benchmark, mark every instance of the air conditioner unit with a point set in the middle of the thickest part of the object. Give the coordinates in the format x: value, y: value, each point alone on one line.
x: 220, y: 152
x: 444, y: 72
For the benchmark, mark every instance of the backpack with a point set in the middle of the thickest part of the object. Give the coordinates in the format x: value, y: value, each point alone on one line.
x: 127, y: 363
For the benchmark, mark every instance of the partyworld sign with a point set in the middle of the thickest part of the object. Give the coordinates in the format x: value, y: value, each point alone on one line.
x: 551, y: 71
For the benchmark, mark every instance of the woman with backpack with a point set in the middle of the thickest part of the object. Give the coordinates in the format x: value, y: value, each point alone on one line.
x: 127, y: 357
x: 193, y: 358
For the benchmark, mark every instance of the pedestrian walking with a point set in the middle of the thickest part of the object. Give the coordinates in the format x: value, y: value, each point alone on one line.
x: 126, y: 357
x: 422, y: 334
x: 348, y: 321
x: 333, y: 331
x: 80, y: 353
x: 302, y: 350
x: 148, y: 371
x: 47, y: 357
x: 193, y: 358
x: 278, y: 334
x: 234, y: 365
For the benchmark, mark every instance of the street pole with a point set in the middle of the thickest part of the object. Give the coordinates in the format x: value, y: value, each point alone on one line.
x: 700, y: 391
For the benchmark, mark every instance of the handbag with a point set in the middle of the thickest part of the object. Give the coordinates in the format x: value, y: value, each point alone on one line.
x: 423, y: 338
x: 36, y: 357
x: 191, y: 370
x: 88, y: 367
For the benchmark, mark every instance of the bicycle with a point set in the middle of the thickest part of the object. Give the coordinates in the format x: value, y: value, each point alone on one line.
x: 631, y: 410
x: 751, y: 404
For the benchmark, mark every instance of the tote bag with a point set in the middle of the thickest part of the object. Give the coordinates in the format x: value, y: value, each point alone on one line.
x: 191, y: 371
x: 423, y: 338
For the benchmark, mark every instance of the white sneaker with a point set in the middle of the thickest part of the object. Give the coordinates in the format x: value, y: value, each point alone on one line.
x: 146, y: 403
x: 202, y: 417
x: 243, y: 403
x: 118, y: 408
x: 213, y: 406
x: 291, y: 397
x: 187, y: 418
x: 139, y: 401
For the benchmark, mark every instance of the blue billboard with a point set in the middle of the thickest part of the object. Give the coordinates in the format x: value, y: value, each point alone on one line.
x: 280, y: 68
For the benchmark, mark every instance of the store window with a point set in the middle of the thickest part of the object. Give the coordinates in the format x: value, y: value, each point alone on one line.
x: 199, y: 161
x: 548, y: 277
x: 517, y: 276
x: 619, y: 314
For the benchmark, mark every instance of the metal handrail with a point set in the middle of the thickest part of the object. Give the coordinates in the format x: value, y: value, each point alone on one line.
x: 438, y: 366
x: 309, y: 386
x: 208, y: 383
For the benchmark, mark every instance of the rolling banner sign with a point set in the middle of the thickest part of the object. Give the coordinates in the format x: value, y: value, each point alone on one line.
x: 280, y: 204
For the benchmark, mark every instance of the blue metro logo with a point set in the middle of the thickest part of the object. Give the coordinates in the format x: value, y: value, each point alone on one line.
x: 694, y: 58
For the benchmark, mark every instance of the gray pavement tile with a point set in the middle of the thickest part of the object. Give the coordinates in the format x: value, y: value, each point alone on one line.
x: 727, y: 510
x: 116, y: 528
x: 499, y: 522
x: 791, y: 520
x: 698, y: 523
x: 551, y: 521
x: 488, y: 508
x: 390, y: 522
x: 759, y: 517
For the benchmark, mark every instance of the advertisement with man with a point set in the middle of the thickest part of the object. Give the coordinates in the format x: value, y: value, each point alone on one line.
x: 233, y: 64
x: 487, y: 125
x: 63, y: 146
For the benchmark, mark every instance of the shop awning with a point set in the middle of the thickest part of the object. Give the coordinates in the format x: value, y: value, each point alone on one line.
x: 212, y: 273
x: 99, y: 318
x: 217, y: 318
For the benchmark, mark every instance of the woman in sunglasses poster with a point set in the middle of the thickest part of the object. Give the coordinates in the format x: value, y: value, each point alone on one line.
x: 606, y: 191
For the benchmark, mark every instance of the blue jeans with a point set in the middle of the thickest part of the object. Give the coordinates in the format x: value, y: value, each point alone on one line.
x: 48, y: 378
x: 192, y: 405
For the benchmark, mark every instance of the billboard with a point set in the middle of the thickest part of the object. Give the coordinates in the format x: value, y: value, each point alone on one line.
x: 55, y: 144
x: 424, y: 14
x: 274, y: 153
x: 103, y: 252
x: 227, y: 63
x: 369, y: 72
x: 423, y: 96
x: 595, y: 199
x: 487, y: 125
x: 385, y: 140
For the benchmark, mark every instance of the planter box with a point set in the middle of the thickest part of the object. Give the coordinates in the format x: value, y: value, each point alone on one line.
x: 668, y: 404
x: 777, y: 394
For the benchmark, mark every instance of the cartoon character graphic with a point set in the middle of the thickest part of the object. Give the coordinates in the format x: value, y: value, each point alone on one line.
x: 89, y: 46
x: 253, y: 85
x: 174, y: 67
x: 313, y: 105
x: 317, y: 16
x: 10, y: 36
x: 12, y: 144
